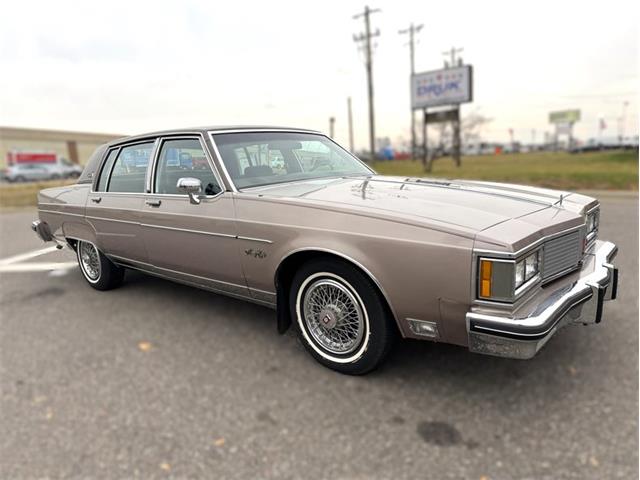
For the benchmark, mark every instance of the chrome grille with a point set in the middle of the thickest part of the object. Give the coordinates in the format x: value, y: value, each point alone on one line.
x: 562, y: 253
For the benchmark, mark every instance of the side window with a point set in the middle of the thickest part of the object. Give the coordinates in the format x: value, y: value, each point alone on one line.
x: 130, y: 169
x: 106, y: 168
x: 183, y: 158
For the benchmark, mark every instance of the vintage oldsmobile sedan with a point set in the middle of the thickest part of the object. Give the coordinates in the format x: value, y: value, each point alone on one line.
x: 288, y: 219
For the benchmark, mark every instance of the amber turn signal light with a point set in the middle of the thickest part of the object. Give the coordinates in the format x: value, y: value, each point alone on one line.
x: 485, y: 278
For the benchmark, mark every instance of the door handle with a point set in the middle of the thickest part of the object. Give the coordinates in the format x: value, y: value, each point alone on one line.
x: 153, y: 203
x: 96, y: 199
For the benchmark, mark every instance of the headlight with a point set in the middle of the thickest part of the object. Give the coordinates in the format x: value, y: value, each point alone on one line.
x: 530, y: 267
x: 501, y: 280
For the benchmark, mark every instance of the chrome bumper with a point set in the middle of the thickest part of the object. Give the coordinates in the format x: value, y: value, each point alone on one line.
x: 42, y: 230
x: 580, y: 302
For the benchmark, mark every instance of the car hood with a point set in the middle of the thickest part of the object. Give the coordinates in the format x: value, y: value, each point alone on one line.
x: 467, y: 205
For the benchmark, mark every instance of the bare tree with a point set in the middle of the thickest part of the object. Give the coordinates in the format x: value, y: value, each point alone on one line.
x: 470, y: 131
x: 471, y: 127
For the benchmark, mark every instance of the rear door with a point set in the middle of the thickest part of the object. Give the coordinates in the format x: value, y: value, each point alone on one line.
x: 115, y: 202
x: 189, y: 242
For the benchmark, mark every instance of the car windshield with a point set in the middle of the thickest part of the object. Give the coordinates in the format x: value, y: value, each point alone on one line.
x: 264, y: 158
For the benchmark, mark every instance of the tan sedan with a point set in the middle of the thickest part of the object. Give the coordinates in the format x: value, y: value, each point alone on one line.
x: 288, y: 219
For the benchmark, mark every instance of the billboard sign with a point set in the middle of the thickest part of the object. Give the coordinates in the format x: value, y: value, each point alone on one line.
x: 564, y: 117
x: 450, y: 86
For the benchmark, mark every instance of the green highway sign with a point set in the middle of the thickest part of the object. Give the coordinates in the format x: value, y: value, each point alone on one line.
x: 564, y: 116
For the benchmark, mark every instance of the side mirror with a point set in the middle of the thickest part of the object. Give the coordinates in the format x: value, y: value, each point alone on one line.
x: 192, y: 187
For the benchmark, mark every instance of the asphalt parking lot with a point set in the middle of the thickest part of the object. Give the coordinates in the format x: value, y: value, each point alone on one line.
x: 159, y: 380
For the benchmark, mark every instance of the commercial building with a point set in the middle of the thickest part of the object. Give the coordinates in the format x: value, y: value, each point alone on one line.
x: 75, y: 146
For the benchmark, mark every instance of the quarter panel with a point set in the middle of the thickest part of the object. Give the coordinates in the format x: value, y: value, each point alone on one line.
x: 63, y: 209
x: 414, y: 266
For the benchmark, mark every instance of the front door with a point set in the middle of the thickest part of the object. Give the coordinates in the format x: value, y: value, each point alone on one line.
x: 185, y: 241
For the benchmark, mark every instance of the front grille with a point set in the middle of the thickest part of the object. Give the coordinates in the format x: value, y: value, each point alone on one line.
x: 562, y: 253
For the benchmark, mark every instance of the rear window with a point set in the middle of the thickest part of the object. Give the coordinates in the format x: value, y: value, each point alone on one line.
x: 106, y: 169
x: 124, y: 170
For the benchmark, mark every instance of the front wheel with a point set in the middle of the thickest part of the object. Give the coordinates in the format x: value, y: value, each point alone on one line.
x: 341, y: 318
x: 100, y: 272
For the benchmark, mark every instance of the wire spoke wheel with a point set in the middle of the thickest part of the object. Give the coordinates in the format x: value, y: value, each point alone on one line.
x: 90, y: 260
x: 333, y: 316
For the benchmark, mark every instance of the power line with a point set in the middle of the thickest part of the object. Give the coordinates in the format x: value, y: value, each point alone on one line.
x: 366, y: 39
x: 412, y: 30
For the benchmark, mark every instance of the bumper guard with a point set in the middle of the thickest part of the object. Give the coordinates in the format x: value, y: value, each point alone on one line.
x: 580, y: 303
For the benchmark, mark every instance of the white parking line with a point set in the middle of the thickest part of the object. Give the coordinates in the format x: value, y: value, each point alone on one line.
x: 26, y: 256
x: 37, y: 267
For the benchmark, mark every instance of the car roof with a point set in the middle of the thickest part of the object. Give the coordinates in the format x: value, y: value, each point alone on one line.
x: 212, y: 129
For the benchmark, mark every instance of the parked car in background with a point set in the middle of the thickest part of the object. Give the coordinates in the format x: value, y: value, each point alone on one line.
x: 23, y: 166
x: 28, y: 172
x: 288, y: 219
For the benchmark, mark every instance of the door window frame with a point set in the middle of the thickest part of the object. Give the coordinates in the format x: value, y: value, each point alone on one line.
x: 151, y: 173
x: 151, y: 166
x: 118, y: 148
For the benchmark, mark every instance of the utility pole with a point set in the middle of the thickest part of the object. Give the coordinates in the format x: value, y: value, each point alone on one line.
x: 350, y: 119
x: 366, y: 38
x: 452, y: 54
x: 412, y: 30
x: 332, y: 122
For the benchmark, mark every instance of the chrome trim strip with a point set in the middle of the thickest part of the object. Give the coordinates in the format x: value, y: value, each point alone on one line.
x: 201, y: 232
x: 149, y: 174
x: 104, y: 219
x: 595, y: 207
x: 177, y: 272
x: 179, y: 136
x: 263, y: 130
x: 119, y: 146
x: 201, y: 286
x: 212, y: 133
x: 262, y: 296
x: 58, y: 212
x: 223, y: 167
x: 51, y: 204
x: 252, y: 239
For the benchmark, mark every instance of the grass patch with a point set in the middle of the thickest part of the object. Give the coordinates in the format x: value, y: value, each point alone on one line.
x: 26, y: 194
x: 615, y: 170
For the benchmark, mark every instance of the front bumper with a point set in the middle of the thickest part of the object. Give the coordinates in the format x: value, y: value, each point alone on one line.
x: 580, y: 302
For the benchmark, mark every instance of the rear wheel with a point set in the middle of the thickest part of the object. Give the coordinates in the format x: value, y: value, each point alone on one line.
x: 341, y: 318
x: 100, y: 272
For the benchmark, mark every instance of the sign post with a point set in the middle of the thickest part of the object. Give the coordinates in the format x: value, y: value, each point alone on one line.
x: 563, y: 121
x: 438, y: 88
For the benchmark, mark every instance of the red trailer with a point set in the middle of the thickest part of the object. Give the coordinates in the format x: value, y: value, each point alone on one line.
x: 17, y: 158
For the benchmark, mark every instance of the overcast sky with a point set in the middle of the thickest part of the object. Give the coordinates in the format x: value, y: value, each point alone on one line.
x: 129, y: 67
